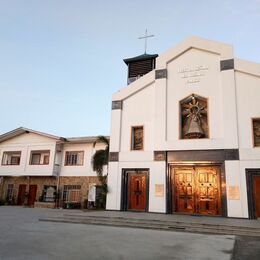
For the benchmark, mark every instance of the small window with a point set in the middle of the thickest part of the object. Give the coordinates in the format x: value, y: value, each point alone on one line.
x: 40, y: 157
x: 10, y: 193
x: 11, y: 158
x: 74, y: 158
x: 137, y: 138
x: 256, y: 132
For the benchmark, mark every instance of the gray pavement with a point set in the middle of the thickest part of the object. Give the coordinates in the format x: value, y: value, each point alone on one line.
x: 22, y: 236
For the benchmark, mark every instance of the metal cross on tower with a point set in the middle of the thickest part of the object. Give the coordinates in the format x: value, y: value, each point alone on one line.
x: 145, y: 40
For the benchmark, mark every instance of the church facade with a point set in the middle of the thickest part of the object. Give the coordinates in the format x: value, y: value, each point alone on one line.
x: 185, y: 137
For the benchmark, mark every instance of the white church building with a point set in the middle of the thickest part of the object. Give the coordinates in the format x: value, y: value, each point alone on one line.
x: 185, y: 133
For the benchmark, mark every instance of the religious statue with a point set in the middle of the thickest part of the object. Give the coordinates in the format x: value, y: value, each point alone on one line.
x: 192, y: 114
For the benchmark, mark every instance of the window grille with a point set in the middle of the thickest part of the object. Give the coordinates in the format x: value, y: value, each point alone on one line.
x: 74, y: 158
x: 71, y: 193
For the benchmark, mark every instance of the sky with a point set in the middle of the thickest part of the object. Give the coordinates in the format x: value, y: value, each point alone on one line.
x: 61, y: 60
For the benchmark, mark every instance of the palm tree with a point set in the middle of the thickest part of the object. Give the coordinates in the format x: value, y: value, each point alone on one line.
x: 99, y: 160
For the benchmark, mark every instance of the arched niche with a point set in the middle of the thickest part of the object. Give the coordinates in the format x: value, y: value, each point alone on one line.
x: 194, y: 117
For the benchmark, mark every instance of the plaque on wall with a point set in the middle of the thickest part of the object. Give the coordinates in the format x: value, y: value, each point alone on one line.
x: 159, y: 190
x: 233, y: 193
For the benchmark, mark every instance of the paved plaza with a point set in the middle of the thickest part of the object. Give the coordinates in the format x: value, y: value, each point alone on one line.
x: 23, y: 236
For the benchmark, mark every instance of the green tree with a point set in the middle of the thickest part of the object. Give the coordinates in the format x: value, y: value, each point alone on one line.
x: 99, y: 160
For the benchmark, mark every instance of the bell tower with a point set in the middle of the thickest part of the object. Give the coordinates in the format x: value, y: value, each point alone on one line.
x: 142, y: 64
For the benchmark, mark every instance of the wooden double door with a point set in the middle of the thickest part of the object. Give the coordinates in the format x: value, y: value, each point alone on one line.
x: 137, y: 190
x: 196, y: 190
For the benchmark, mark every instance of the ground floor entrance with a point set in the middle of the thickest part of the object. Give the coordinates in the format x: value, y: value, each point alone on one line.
x: 196, y: 190
x: 253, y: 192
x: 135, y: 190
x: 256, y: 181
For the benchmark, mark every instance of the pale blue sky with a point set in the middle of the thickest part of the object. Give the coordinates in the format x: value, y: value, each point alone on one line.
x: 60, y: 60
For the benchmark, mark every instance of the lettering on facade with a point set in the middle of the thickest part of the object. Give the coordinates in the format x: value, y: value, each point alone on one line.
x: 159, y: 190
x: 233, y: 193
x: 193, y: 74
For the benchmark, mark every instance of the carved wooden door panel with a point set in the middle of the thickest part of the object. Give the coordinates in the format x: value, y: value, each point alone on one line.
x: 256, y: 181
x: 184, y: 190
x: 137, y: 191
x: 207, y: 191
x: 196, y: 190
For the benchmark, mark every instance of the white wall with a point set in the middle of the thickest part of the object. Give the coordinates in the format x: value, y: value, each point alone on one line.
x: 248, y: 96
x: 155, y: 105
x: 233, y: 178
x: 80, y: 170
x: 114, y: 187
x: 138, y: 110
x: 26, y: 143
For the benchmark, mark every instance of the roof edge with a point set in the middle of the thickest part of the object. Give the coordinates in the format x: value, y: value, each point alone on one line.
x: 21, y: 130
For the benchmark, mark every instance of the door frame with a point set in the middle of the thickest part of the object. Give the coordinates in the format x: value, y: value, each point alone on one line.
x: 30, y: 198
x: 169, y: 190
x: 124, y: 188
x: 250, y: 174
x: 21, y: 199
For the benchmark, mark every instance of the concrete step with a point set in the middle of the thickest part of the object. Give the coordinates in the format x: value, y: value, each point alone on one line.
x: 167, y: 222
x: 157, y: 225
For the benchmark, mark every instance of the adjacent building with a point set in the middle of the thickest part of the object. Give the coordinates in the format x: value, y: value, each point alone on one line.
x: 39, y: 167
x: 185, y: 135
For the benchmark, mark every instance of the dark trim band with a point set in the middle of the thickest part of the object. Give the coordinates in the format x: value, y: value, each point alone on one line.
x: 117, y: 104
x: 159, y: 155
x: 204, y: 155
x: 114, y: 156
x: 227, y: 64
x: 161, y: 74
